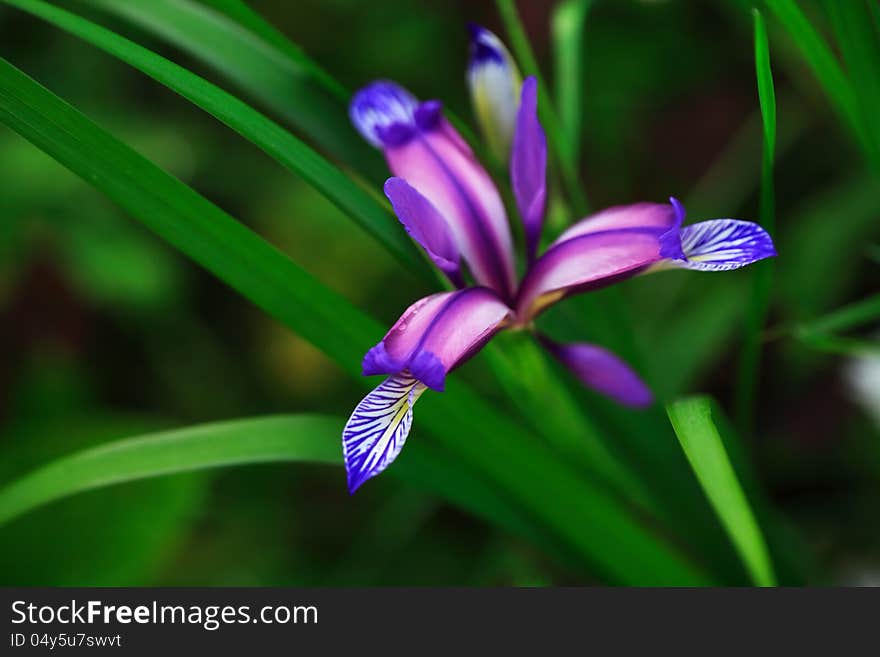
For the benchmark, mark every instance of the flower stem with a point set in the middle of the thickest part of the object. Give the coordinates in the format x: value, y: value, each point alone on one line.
x: 750, y: 359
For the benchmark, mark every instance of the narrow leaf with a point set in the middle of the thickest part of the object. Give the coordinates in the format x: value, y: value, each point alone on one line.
x: 750, y: 359
x: 848, y: 317
x: 569, y: 25
x: 692, y: 421
x: 292, y: 153
x: 823, y: 63
x: 306, y: 439
x: 275, y: 72
x: 859, y: 43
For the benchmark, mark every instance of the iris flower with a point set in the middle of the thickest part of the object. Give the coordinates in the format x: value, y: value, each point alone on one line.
x: 449, y: 205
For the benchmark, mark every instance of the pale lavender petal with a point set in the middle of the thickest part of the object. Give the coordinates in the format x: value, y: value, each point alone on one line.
x: 426, y: 226
x: 587, y: 262
x: 375, y: 432
x: 528, y: 166
x: 439, y: 164
x: 599, y: 369
x: 639, y: 215
x: 438, y: 333
x: 384, y: 113
x: 494, y: 83
x: 723, y: 244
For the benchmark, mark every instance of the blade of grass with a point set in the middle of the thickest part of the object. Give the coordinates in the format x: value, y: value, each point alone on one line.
x: 825, y: 67
x: 592, y: 524
x: 304, y: 439
x: 848, y: 317
x: 242, y: 46
x: 859, y: 43
x: 568, y: 26
x: 241, y: 13
x: 692, y: 421
x: 285, y: 81
x: 289, y: 151
x: 750, y: 358
x: 561, y: 148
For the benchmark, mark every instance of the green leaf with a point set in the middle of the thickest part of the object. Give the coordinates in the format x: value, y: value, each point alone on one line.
x: 238, y: 44
x: 692, y: 421
x: 580, y: 515
x: 750, y: 358
x: 822, y: 61
x: 308, y: 439
x: 848, y: 317
x: 568, y: 25
x: 361, y: 206
x: 859, y: 43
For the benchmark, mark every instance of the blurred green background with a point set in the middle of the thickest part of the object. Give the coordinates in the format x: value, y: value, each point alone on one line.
x: 108, y: 332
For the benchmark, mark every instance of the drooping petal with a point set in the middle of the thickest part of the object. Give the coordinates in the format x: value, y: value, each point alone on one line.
x: 587, y: 262
x: 639, y: 215
x: 494, y: 82
x: 438, y: 333
x: 375, y: 432
x: 599, y: 369
x: 425, y: 150
x: 426, y: 226
x: 723, y: 244
x: 528, y: 166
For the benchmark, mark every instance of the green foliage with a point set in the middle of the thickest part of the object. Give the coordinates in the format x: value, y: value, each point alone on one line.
x: 692, y: 420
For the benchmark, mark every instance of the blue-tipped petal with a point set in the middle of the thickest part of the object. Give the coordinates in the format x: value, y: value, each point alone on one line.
x: 494, y: 82
x: 378, y: 427
x: 384, y: 113
x: 723, y: 244
x: 438, y: 333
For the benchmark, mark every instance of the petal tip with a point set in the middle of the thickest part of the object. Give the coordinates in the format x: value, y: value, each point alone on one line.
x: 428, y: 368
x: 384, y: 113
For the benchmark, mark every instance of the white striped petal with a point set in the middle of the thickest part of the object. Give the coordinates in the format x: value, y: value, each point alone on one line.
x: 375, y: 432
x: 722, y: 244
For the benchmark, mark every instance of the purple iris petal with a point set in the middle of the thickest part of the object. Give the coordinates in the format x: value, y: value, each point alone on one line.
x: 426, y: 226
x: 528, y: 166
x: 425, y: 150
x: 599, y: 369
x: 375, y: 432
x: 444, y: 170
x: 638, y: 215
x: 722, y: 244
x: 437, y: 333
x: 587, y: 262
x: 384, y: 113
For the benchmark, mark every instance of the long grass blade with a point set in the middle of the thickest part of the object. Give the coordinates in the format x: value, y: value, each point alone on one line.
x: 583, y: 517
x: 274, y: 72
x: 859, y: 42
x: 692, y: 421
x: 848, y: 317
x: 750, y: 359
x: 304, y: 439
x: 277, y: 142
x: 569, y: 27
x: 820, y: 58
